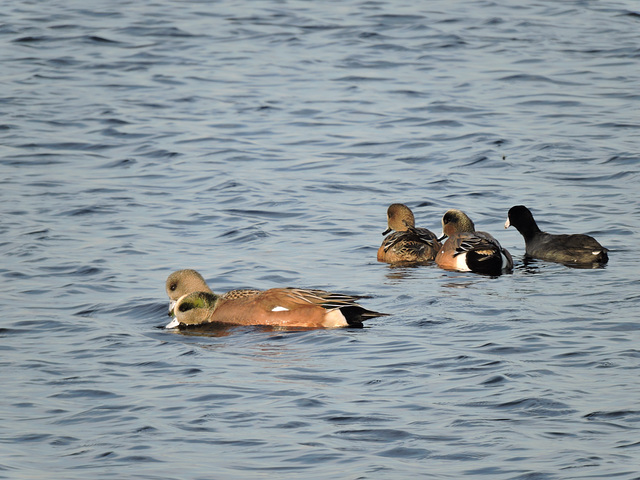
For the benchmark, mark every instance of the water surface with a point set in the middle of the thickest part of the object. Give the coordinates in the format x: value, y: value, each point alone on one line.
x: 261, y: 144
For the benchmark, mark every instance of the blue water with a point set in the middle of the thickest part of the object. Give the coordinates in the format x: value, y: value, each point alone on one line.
x: 261, y: 144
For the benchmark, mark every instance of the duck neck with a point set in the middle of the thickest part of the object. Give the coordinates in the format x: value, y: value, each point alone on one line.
x: 213, y: 301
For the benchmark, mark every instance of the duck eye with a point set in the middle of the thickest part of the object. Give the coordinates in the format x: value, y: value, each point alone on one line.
x: 173, y: 287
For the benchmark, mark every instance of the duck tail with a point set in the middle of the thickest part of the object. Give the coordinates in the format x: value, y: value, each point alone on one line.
x: 355, y: 315
x: 486, y: 262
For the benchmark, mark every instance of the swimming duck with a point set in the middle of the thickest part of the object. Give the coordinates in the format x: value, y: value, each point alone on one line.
x: 287, y: 307
x: 467, y: 250
x: 408, y: 244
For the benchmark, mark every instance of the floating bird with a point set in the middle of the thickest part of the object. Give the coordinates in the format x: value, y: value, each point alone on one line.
x: 575, y: 249
x: 285, y: 307
x: 408, y: 244
x: 467, y: 250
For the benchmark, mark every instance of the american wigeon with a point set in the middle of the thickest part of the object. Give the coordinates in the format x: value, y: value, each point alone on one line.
x: 408, y: 244
x: 469, y: 251
x: 286, y: 307
x: 574, y: 249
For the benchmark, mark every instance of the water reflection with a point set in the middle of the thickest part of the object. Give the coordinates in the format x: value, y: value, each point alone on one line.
x: 399, y: 272
x: 462, y: 284
x: 223, y: 329
x: 533, y: 266
x: 529, y: 266
x: 211, y: 330
x: 585, y: 266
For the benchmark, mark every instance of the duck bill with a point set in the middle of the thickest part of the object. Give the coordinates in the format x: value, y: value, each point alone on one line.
x: 173, y: 323
x: 507, y: 224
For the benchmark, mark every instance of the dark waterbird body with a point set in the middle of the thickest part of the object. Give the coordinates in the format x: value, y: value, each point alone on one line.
x: 408, y: 243
x: 468, y: 250
x: 283, y: 307
x: 570, y: 249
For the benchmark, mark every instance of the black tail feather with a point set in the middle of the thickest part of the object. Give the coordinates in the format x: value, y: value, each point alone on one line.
x: 486, y: 264
x: 355, y: 315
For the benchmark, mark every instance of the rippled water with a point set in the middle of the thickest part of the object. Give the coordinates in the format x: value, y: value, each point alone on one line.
x: 261, y: 144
